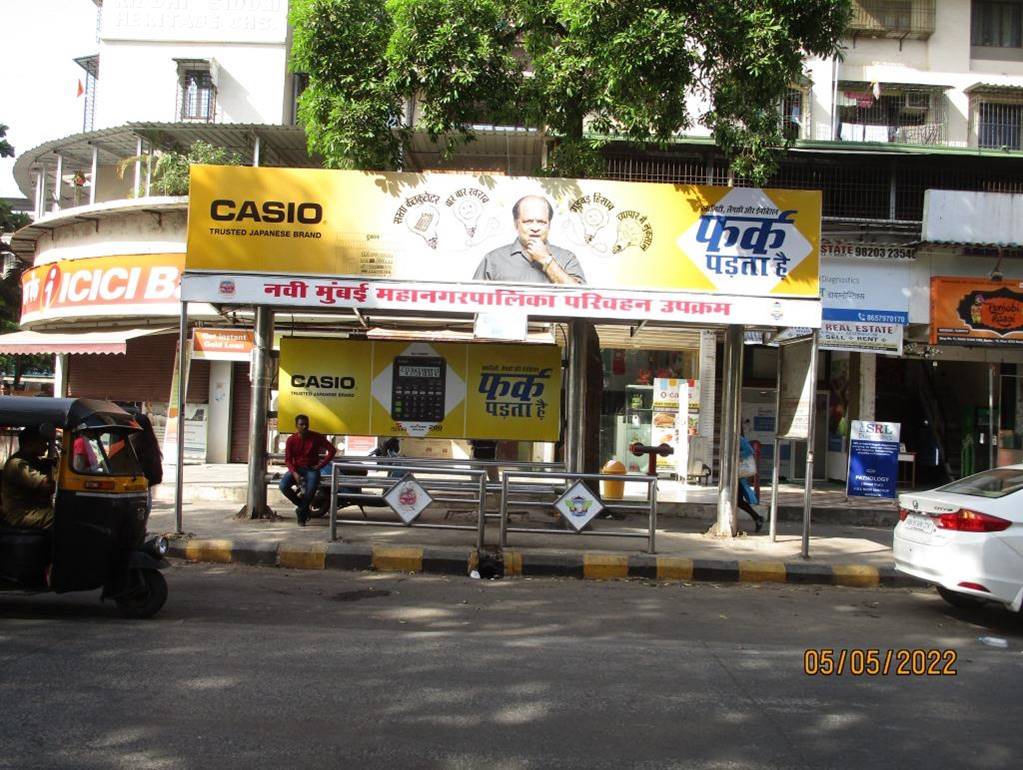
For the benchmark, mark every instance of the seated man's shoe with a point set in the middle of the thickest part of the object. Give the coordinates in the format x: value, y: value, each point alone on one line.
x: 301, y: 516
x: 759, y: 523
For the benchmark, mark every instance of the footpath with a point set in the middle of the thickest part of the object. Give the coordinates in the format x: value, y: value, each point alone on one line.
x: 850, y: 542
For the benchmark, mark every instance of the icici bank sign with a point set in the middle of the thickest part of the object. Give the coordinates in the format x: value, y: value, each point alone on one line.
x: 102, y: 286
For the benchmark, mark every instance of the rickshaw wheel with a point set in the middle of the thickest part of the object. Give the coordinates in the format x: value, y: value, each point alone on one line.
x: 148, y: 600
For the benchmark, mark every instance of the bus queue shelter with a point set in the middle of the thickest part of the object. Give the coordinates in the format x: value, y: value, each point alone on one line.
x: 319, y: 244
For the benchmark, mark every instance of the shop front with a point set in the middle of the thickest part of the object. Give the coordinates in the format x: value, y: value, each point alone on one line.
x: 497, y: 259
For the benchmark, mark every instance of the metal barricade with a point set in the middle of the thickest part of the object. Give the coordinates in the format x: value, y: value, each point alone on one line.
x: 568, y: 479
x: 467, y: 486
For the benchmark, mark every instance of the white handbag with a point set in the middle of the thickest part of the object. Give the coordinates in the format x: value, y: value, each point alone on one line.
x: 747, y: 467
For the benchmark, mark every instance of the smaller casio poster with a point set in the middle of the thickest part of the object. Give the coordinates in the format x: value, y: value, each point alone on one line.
x: 421, y: 389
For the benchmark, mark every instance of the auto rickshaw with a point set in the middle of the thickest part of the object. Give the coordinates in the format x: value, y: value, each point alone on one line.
x: 101, y: 507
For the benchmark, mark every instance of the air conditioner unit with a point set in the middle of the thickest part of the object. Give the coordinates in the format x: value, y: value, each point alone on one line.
x: 918, y: 101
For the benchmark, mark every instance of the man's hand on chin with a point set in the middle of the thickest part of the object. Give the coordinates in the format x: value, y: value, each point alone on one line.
x: 537, y: 250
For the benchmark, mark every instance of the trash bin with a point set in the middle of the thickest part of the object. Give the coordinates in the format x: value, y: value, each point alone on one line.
x: 611, y: 489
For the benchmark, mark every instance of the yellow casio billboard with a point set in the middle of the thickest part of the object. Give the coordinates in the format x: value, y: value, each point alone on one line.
x: 420, y: 389
x: 510, y: 230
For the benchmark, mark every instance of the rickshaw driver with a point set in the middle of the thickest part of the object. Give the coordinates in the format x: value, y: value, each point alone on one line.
x: 27, y: 488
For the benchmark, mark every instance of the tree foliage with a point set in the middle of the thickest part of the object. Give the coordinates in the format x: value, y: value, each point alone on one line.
x: 586, y: 71
x: 170, y: 169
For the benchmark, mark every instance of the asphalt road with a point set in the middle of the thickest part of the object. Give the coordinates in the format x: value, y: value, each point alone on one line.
x: 262, y: 668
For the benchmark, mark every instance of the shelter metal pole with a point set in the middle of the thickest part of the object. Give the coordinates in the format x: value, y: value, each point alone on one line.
x: 576, y: 400
x: 810, y: 441
x: 58, y: 182
x: 179, y: 476
x: 772, y: 527
x: 138, y: 165
x: 728, y: 520
x: 92, y: 179
x: 256, y: 493
x: 255, y: 151
x: 991, y: 415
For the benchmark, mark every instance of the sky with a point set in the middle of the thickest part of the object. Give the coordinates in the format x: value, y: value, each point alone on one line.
x: 38, y: 77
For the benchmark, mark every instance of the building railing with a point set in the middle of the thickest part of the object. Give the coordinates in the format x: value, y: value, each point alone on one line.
x: 899, y: 19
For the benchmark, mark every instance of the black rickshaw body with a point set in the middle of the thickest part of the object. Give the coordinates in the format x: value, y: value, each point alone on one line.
x: 100, y: 505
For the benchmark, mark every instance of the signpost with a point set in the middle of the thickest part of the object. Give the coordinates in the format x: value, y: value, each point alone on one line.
x: 873, y: 459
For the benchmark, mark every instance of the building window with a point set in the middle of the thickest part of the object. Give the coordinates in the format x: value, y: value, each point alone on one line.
x: 998, y: 125
x: 997, y: 24
x: 793, y: 114
x: 898, y: 19
x: 197, y: 90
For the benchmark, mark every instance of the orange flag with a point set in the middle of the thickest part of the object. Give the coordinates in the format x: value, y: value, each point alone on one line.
x: 81, y: 88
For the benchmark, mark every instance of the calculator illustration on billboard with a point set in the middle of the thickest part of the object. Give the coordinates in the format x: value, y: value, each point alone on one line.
x: 417, y: 389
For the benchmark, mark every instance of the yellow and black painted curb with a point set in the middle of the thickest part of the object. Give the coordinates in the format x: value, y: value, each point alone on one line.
x: 591, y: 565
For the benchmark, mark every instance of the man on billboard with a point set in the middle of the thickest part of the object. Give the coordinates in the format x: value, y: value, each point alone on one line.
x: 530, y: 258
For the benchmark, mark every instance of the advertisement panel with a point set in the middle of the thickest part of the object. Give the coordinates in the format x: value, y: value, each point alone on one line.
x: 974, y: 311
x: 865, y: 290
x: 420, y: 389
x: 797, y: 389
x: 456, y: 228
x: 868, y: 337
x: 102, y: 286
x: 222, y: 344
x: 665, y: 420
x: 873, y: 459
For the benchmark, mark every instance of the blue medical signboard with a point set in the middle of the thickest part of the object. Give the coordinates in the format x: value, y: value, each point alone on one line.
x: 873, y: 459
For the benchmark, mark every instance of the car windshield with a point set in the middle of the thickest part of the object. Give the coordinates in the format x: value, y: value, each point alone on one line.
x: 997, y: 482
x: 104, y: 452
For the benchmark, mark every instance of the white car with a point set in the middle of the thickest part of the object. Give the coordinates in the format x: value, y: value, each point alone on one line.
x: 966, y: 537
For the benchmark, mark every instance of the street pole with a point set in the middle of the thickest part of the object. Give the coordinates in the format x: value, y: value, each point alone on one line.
x: 810, y: 441
x: 256, y: 493
x: 772, y: 527
x: 575, y: 452
x: 991, y: 415
x: 728, y: 519
x: 179, y: 476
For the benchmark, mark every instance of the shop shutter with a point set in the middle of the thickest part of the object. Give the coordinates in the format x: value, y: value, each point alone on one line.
x: 142, y: 374
x: 241, y: 401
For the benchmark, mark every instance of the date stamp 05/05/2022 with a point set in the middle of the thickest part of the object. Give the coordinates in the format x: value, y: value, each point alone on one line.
x: 865, y: 661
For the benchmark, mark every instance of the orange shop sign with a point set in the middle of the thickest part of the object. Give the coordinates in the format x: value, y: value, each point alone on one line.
x: 975, y: 311
x: 222, y: 344
x: 98, y: 286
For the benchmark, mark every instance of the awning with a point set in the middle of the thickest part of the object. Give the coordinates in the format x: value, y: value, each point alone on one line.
x: 108, y: 342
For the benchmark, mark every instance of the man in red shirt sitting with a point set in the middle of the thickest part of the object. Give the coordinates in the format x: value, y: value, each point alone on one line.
x: 305, y: 453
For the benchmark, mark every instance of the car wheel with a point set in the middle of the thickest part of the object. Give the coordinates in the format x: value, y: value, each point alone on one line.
x: 147, y: 600
x: 957, y: 599
x: 319, y: 506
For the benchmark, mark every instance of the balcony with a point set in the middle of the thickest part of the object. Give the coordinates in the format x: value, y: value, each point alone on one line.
x: 896, y: 19
x: 891, y: 113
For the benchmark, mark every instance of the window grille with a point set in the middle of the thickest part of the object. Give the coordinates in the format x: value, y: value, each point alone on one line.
x: 892, y: 18
x: 900, y: 115
x: 197, y: 90
x: 999, y: 124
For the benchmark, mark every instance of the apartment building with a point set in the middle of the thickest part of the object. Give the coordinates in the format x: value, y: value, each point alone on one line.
x: 928, y: 95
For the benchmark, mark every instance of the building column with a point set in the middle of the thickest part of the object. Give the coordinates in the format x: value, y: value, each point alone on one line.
x: 867, y: 386
x: 60, y: 375
x: 218, y: 436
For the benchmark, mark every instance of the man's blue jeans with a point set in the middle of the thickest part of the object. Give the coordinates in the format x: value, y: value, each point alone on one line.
x: 311, y: 476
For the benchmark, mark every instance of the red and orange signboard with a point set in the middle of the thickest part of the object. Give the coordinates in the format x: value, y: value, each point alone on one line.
x: 975, y: 311
x: 102, y: 286
x: 222, y: 344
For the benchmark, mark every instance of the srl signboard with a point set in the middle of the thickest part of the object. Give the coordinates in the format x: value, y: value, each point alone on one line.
x: 458, y: 228
x: 419, y: 389
x: 873, y: 459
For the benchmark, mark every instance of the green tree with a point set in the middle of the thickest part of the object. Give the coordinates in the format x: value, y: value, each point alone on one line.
x: 170, y: 169
x: 10, y: 282
x: 586, y: 71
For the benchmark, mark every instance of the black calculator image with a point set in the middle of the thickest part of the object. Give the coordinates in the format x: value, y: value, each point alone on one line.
x: 417, y: 389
